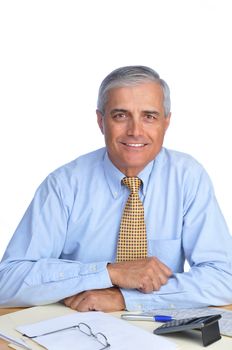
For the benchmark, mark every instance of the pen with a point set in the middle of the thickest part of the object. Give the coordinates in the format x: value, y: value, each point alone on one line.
x: 143, y: 317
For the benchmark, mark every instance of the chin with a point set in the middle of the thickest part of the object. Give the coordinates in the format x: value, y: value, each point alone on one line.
x: 134, y: 167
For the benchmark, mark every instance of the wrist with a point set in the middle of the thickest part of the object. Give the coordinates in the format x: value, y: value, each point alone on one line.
x: 112, y: 273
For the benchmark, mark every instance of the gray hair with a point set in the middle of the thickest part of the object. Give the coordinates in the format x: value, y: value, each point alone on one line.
x: 129, y: 76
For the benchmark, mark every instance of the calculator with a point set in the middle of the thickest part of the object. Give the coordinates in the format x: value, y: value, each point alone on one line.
x: 187, y: 324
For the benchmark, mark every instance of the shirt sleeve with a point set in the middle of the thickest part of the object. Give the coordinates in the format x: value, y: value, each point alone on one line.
x: 31, y: 271
x: 207, y: 247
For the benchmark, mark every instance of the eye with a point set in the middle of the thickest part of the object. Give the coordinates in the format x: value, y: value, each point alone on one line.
x: 150, y: 117
x: 119, y: 116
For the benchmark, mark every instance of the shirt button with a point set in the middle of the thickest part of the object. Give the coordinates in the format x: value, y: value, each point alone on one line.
x: 93, y: 268
x: 139, y: 307
x: 61, y: 274
x: 115, y: 194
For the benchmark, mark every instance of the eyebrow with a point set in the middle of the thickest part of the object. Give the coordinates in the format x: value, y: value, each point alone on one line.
x: 151, y: 112
x: 119, y: 110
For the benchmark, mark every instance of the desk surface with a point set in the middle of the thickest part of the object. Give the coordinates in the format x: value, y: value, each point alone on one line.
x: 4, y: 346
x: 3, y: 343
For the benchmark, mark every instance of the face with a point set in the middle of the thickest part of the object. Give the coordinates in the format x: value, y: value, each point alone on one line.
x: 134, y: 125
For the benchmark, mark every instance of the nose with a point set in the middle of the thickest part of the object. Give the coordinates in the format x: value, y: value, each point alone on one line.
x: 134, y: 128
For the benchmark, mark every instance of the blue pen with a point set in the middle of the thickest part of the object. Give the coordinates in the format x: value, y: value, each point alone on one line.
x: 144, y: 317
x: 163, y: 318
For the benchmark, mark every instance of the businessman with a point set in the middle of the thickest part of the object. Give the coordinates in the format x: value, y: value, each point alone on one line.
x: 112, y: 229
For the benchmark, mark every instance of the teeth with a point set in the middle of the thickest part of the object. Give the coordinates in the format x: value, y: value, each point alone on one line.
x: 135, y: 144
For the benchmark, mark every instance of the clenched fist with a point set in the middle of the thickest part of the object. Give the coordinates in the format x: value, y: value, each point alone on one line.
x: 146, y: 275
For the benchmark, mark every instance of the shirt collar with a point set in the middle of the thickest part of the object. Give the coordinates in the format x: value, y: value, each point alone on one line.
x: 114, y: 176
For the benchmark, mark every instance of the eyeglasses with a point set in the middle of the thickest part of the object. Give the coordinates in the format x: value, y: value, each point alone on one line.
x: 84, y: 328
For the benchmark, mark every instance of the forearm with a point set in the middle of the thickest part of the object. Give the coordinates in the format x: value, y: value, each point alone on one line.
x: 201, y: 286
x: 26, y: 283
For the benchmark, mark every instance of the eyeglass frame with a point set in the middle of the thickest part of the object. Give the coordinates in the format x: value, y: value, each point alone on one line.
x: 90, y: 334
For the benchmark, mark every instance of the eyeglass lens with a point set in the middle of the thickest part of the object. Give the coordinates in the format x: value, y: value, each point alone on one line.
x: 100, y: 337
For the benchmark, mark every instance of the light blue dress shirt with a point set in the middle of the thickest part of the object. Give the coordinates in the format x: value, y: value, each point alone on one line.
x: 69, y: 233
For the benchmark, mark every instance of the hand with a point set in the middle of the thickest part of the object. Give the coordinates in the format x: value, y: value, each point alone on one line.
x: 146, y: 275
x: 109, y: 299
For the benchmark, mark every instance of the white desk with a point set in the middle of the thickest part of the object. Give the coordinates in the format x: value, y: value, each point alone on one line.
x: 185, y: 341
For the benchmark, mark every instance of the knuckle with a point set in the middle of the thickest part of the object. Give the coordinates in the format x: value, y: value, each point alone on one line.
x: 145, y: 280
x: 153, y: 263
x: 163, y: 279
x: 150, y: 271
x: 66, y: 302
x: 148, y: 289
x: 73, y: 306
x: 88, y: 297
x: 156, y: 285
x: 91, y: 298
x: 156, y: 288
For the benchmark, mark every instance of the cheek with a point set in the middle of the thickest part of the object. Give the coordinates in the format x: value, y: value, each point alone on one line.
x: 109, y: 137
x: 112, y: 132
x: 158, y: 132
x: 155, y: 133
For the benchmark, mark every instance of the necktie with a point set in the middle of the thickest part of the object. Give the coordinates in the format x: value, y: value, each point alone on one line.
x: 132, y: 242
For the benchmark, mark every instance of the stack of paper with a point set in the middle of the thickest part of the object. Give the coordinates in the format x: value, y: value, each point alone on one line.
x: 120, y: 334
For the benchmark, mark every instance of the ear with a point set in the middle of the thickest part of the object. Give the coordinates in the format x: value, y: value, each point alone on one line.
x: 100, y: 121
x: 167, y: 121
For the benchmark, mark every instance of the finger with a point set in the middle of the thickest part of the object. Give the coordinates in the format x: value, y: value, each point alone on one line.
x: 85, y: 305
x: 146, y: 285
x: 146, y: 289
x: 89, y: 301
x: 165, y: 269
x: 67, y: 301
x: 152, y: 286
x: 153, y: 281
x: 163, y: 279
x: 74, y: 302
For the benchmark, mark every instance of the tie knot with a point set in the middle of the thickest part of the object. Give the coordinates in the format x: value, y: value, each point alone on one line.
x: 133, y: 183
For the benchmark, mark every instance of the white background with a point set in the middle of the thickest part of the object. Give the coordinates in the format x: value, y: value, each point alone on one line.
x: 53, y: 57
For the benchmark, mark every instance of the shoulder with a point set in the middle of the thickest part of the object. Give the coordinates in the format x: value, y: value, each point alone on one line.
x: 87, y: 161
x: 79, y: 168
x: 186, y: 176
x: 180, y: 161
x: 183, y: 168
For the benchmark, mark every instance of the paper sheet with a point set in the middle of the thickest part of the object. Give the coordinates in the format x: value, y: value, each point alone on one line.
x: 120, y: 334
x: 10, y: 321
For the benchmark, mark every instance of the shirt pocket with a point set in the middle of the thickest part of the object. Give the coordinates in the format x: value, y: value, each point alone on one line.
x: 168, y: 251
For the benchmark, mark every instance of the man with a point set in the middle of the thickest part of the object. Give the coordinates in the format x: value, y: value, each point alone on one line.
x: 66, y: 246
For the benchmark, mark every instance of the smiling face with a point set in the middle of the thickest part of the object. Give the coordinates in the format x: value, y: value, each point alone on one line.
x: 134, y: 125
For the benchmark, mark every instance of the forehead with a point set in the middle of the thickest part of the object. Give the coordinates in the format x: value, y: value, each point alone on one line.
x: 148, y: 94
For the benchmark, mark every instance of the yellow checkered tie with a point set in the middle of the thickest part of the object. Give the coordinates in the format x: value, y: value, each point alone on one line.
x: 132, y: 243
